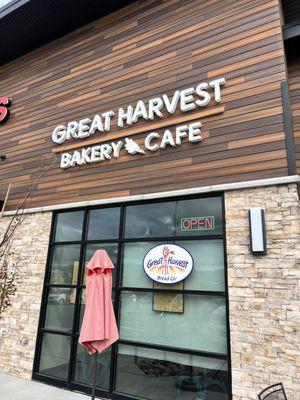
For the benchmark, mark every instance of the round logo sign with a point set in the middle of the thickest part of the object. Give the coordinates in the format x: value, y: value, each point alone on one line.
x: 168, y: 263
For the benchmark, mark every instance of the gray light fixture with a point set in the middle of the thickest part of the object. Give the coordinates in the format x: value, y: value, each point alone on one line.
x: 258, y: 242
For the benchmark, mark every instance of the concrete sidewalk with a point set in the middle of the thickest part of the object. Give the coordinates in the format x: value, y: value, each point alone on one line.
x: 12, y: 388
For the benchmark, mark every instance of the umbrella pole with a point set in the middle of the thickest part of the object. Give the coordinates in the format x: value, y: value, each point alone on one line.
x: 94, y: 375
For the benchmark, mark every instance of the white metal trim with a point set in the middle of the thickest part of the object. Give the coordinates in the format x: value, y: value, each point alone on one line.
x: 172, y: 193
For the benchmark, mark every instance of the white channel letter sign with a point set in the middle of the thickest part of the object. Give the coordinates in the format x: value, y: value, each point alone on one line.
x: 168, y: 263
x: 156, y: 108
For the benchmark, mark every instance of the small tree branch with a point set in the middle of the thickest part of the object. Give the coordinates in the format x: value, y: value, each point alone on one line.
x: 5, y: 200
x: 7, y: 277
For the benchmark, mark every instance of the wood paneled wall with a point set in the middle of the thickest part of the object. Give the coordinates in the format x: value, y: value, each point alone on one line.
x: 144, y: 50
x: 294, y: 85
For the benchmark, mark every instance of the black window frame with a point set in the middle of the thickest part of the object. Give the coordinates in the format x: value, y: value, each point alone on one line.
x: 120, y: 241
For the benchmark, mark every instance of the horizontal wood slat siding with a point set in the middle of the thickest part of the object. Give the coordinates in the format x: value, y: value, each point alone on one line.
x: 294, y: 85
x: 147, y: 49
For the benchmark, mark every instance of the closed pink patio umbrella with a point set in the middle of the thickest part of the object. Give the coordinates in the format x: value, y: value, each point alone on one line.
x: 99, y: 329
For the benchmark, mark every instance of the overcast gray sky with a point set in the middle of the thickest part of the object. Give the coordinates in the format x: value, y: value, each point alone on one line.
x: 4, y: 2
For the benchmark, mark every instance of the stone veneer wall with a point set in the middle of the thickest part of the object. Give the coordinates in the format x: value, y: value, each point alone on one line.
x: 18, y: 328
x: 264, y: 292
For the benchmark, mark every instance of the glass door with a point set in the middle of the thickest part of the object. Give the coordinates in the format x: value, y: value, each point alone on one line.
x: 173, y: 338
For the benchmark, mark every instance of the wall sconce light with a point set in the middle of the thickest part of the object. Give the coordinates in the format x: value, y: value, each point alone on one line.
x: 258, y: 241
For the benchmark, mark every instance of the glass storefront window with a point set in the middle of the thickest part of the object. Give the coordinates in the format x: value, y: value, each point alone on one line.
x: 133, y: 274
x: 55, y: 354
x: 82, y: 307
x: 60, y: 309
x: 207, y: 274
x: 68, y: 226
x: 198, y: 324
x: 198, y: 217
x: 173, y: 338
x: 84, y: 365
x: 195, y: 217
x: 65, y: 264
x: 104, y: 223
x: 156, y: 375
x: 147, y: 220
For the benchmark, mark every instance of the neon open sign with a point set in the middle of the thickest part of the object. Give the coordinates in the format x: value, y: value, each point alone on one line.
x: 197, y: 223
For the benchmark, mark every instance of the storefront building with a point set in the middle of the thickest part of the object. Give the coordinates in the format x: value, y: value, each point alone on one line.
x: 156, y: 127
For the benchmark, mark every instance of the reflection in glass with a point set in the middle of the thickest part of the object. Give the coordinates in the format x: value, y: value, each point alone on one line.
x: 150, y: 220
x: 207, y: 274
x: 104, y: 223
x: 208, y: 271
x: 133, y: 274
x: 68, y: 226
x: 199, y: 217
x: 202, y: 325
x: 156, y: 375
x: 175, y: 218
x: 65, y: 262
x: 60, y: 309
x: 112, y: 251
x: 82, y: 307
x: 55, y: 354
x: 84, y: 367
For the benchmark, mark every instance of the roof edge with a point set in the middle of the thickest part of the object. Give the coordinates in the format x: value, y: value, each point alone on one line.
x: 12, y: 6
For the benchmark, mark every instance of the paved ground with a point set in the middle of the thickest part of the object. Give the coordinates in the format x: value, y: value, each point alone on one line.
x: 19, y: 389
